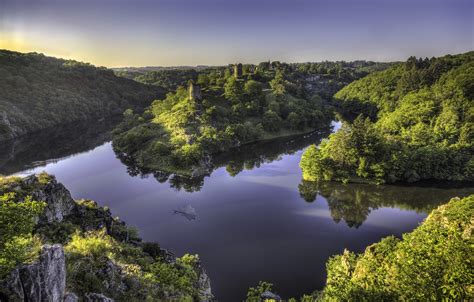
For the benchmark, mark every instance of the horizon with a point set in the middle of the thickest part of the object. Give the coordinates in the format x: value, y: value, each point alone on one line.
x: 167, y: 33
x: 225, y: 64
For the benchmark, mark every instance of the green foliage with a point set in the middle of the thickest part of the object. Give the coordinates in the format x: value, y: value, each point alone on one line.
x: 103, y: 255
x: 271, y: 121
x: 180, y: 135
x: 168, y: 79
x: 176, y: 278
x: 39, y: 92
x: 94, y: 256
x: 232, y: 89
x: 423, y: 125
x: 17, y: 219
x: 253, y: 88
x: 432, y: 263
x: 278, y: 83
x: 19, y: 249
x: 254, y: 293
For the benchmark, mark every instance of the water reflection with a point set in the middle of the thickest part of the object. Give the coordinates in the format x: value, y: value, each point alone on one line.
x: 354, y: 202
x: 51, y: 145
x: 248, y: 227
x: 246, y: 157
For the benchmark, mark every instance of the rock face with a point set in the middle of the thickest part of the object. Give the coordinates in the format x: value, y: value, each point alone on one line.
x: 45, y: 188
x: 204, y: 285
x: 43, y: 280
x: 58, y: 199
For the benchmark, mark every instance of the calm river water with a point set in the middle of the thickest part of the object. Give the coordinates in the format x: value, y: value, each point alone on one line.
x: 252, y: 219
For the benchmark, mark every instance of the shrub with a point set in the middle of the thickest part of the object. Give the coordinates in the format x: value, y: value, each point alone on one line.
x: 17, y: 219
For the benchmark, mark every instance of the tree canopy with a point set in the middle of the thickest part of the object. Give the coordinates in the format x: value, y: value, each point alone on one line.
x: 416, y: 121
x: 37, y: 92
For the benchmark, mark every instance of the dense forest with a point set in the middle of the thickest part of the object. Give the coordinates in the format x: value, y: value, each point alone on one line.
x: 414, y: 121
x: 322, y: 78
x: 37, y: 92
x: 432, y: 263
x: 180, y: 133
x: 226, y: 107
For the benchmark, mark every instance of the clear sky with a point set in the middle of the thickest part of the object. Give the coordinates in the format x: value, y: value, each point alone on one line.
x: 212, y: 32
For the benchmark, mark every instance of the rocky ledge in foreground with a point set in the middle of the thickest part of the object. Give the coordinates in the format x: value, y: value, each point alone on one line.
x: 76, y: 251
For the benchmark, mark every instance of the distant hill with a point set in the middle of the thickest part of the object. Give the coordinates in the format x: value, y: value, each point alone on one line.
x: 157, y: 68
x: 38, y: 92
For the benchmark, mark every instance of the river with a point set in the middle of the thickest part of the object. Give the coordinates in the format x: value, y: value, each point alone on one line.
x: 252, y: 219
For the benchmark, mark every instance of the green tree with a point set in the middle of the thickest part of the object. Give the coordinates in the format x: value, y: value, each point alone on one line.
x: 232, y: 89
x: 278, y: 83
x: 271, y: 121
x: 253, y: 88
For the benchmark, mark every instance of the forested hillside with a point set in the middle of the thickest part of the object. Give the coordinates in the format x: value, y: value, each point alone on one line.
x: 180, y: 133
x: 321, y: 78
x: 170, y: 79
x: 37, y: 92
x: 416, y: 121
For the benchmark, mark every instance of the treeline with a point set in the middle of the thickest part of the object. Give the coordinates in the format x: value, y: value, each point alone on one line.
x: 415, y: 121
x: 322, y: 78
x: 169, y: 79
x: 37, y: 92
x: 181, y: 133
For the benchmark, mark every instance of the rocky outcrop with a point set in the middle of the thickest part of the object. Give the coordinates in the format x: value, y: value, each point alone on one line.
x: 43, y: 280
x: 43, y: 187
x: 58, y: 199
x: 204, y: 285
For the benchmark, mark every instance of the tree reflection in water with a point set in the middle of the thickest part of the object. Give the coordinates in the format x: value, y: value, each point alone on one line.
x: 354, y: 202
x: 246, y: 157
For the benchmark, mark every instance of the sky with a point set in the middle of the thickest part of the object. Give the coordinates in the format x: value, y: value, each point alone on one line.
x: 117, y: 33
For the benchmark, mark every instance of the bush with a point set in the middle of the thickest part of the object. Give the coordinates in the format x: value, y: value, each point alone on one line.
x: 432, y: 263
x: 17, y: 219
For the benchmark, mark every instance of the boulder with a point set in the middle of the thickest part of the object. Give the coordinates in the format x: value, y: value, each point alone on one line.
x: 42, y: 280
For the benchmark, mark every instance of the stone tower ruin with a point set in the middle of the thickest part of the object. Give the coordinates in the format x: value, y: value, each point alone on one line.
x: 238, y: 70
x: 194, y: 91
